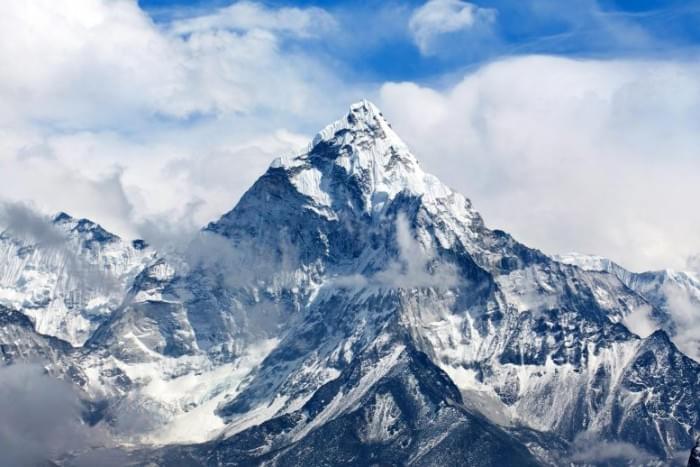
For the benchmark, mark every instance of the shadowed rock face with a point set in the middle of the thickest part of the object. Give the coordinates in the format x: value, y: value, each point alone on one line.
x: 352, y: 310
x: 694, y: 460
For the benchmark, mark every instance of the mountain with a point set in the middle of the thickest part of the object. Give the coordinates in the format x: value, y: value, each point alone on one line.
x: 351, y: 309
x: 71, y: 278
x: 21, y: 343
x: 674, y: 296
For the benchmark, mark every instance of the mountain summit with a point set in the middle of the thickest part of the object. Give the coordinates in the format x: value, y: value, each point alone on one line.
x: 352, y: 310
x: 357, y: 162
x: 361, y: 150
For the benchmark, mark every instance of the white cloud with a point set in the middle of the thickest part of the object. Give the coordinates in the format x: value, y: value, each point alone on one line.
x: 40, y: 417
x: 684, y: 306
x: 413, y: 268
x: 640, y: 321
x: 692, y: 264
x: 592, y: 156
x: 109, y: 116
x: 22, y: 222
x: 587, y: 448
x: 64, y: 178
x: 438, y: 17
x: 245, y: 15
x: 92, y: 63
x: 119, y: 182
x: 82, y: 62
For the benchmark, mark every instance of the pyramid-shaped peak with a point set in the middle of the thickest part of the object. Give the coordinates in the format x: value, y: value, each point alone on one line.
x: 364, y: 151
x: 82, y: 227
x: 363, y: 118
x: 364, y: 111
x: 62, y: 216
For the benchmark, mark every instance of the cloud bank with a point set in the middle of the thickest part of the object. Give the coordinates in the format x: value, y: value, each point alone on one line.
x: 111, y: 116
x: 568, y: 155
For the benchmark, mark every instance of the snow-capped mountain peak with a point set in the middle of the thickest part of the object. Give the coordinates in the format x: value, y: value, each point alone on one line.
x: 87, y: 230
x: 69, y: 275
x: 362, y: 116
x: 363, y: 151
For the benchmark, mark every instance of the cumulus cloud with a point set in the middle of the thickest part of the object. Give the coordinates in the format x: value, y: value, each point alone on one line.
x: 135, y: 120
x: 436, y: 18
x: 131, y: 118
x: 99, y: 55
x: 585, y: 155
x: 40, y: 417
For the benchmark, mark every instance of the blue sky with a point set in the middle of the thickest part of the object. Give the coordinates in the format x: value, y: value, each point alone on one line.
x: 374, y: 42
x: 572, y: 124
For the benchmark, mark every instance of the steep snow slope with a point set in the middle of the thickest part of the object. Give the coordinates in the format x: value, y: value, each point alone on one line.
x: 390, y: 407
x: 71, y: 281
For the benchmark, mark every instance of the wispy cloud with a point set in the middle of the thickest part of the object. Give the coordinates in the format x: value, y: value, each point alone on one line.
x: 587, y: 448
x: 23, y: 223
x: 692, y: 264
x: 640, y: 321
x: 684, y: 306
x: 413, y: 268
x: 245, y: 16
